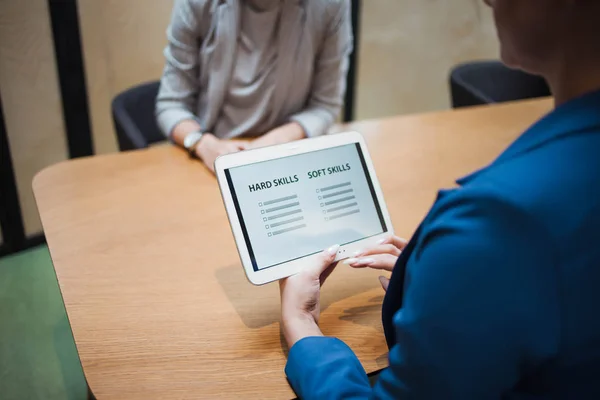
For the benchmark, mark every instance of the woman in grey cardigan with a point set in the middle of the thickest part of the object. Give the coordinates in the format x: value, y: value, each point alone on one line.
x: 270, y: 70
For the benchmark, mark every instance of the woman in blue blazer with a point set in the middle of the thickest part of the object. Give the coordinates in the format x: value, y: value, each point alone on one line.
x: 497, y: 295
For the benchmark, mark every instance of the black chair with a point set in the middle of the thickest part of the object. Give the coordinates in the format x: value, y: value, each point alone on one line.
x: 487, y: 82
x: 133, y: 116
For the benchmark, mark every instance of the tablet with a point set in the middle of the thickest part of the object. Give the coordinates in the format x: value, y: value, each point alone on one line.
x: 287, y: 203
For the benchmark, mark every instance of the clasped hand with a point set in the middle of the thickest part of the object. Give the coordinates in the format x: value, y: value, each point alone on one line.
x: 301, y: 293
x: 211, y: 147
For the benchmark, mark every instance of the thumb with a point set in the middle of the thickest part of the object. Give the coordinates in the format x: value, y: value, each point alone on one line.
x: 385, y: 282
x: 324, y: 260
x: 241, y: 145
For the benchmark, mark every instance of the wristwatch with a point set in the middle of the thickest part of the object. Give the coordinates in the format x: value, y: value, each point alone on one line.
x: 190, y: 142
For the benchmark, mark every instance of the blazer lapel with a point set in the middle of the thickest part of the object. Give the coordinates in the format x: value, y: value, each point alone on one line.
x: 291, y: 26
x: 222, y: 63
x: 394, y: 295
x: 392, y: 301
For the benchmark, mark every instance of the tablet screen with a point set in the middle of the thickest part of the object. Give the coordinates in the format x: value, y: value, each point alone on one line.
x: 295, y: 206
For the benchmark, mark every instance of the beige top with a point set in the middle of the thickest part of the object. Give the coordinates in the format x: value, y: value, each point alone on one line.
x: 239, y: 71
x: 248, y: 100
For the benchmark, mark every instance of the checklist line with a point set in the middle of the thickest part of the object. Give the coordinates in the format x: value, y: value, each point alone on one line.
x: 285, y: 214
x: 328, y: 203
x: 289, y: 221
x: 344, y: 214
x: 335, y: 186
x: 342, y: 207
x: 283, y: 207
x: 279, y: 200
x: 326, y: 196
x: 293, y: 228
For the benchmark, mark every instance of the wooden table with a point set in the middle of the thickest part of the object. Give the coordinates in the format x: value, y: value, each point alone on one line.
x: 155, y: 293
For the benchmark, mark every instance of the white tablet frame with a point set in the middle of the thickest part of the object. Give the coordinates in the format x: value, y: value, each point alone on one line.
x: 285, y: 150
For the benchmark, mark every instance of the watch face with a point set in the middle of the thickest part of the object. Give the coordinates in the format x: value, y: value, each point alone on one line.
x: 191, y: 139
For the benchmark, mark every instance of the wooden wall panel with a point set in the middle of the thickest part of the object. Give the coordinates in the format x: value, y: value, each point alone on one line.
x: 30, y: 97
x: 408, y: 47
x: 123, y: 43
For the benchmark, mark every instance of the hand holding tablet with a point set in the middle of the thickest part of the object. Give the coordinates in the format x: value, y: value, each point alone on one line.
x: 287, y: 203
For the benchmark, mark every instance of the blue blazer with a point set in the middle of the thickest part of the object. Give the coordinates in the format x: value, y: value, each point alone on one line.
x: 497, y: 294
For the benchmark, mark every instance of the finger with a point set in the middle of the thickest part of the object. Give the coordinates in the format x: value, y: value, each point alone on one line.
x: 240, y: 144
x: 327, y: 272
x: 385, y: 282
x: 232, y: 148
x: 398, y: 242
x: 255, y: 144
x: 228, y: 146
x: 323, y: 261
x: 391, y: 244
x: 376, y: 261
x: 380, y: 249
x: 395, y: 241
x: 210, y: 163
x: 282, y: 283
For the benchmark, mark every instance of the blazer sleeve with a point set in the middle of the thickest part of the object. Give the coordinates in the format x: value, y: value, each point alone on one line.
x: 329, y: 81
x: 480, y: 310
x: 179, y: 84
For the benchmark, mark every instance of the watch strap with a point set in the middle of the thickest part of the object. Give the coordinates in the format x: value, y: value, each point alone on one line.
x: 191, y: 142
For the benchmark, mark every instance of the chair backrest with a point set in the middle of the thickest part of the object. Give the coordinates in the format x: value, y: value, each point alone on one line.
x: 133, y: 117
x: 488, y: 82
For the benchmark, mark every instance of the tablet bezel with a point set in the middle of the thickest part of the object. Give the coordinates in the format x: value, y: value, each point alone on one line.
x: 289, y: 268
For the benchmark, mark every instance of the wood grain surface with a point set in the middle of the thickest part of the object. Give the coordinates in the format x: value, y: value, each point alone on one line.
x: 157, y: 299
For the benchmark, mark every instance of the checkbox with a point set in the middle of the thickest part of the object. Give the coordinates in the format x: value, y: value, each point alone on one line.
x: 262, y: 211
x: 324, y: 211
x: 321, y: 204
x: 260, y: 204
x: 266, y: 226
x: 318, y: 190
x: 265, y: 219
x: 320, y: 198
x: 269, y: 234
